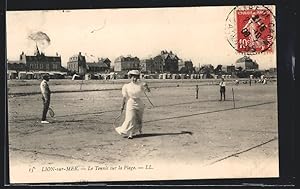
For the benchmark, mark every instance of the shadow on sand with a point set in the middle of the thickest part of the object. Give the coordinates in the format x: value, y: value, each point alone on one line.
x: 162, y: 134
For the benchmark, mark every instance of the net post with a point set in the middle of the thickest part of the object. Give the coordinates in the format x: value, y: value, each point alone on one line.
x: 233, y: 97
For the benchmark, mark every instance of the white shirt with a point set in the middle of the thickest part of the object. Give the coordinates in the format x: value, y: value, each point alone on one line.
x: 133, y: 90
x: 222, y: 84
x: 44, y: 88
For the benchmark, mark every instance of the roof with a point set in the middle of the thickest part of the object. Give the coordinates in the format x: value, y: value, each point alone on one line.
x: 78, y: 56
x: 128, y: 58
x: 168, y: 55
x: 244, y: 59
x: 97, y: 65
x: 12, y: 71
x: 104, y: 60
x: 173, y: 56
x: 14, y: 62
x: 48, y: 58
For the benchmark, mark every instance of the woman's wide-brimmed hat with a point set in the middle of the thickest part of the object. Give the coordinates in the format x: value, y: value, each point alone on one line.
x: 134, y: 72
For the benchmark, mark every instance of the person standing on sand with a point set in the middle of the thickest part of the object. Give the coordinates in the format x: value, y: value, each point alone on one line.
x: 46, y: 93
x: 132, y: 93
x: 237, y: 82
x: 222, y: 89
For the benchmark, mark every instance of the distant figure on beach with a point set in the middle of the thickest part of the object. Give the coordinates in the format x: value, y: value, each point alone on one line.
x: 197, y: 91
x: 46, y: 93
x: 132, y: 93
x: 237, y: 82
x: 222, y: 89
x: 264, y: 81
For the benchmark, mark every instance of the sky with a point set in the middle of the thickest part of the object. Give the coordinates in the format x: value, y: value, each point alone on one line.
x: 193, y: 33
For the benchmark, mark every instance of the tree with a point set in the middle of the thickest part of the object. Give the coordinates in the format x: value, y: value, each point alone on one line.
x: 218, y: 70
x: 207, y: 69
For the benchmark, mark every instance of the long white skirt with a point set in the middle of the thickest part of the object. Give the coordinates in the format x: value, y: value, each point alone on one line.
x: 133, y: 117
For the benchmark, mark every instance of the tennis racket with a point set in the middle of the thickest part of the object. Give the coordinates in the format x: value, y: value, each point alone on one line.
x: 117, y: 119
x: 148, y: 99
x: 51, y: 112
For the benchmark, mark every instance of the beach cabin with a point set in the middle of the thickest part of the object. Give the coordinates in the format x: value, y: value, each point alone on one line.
x: 76, y: 77
x: 12, y: 74
x: 87, y: 76
x: 22, y: 75
x: 29, y: 75
x: 164, y: 76
x: 112, y: 75
x: 37, y: 75
x: 169, y: 76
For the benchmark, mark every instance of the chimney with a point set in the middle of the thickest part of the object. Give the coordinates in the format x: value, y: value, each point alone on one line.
x: 37, y: 52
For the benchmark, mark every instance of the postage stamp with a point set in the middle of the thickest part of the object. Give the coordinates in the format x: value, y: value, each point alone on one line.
x: 251, y: 29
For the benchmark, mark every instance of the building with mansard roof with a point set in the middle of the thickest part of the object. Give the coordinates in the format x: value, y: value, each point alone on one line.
x: 40, y: 62
x: 166, y: 62
x: 246, y: 63
x: 102, y: 66
x: 16, y: 65
x: 147, y: 66
x: 126, y: 63
x: 77, y: 64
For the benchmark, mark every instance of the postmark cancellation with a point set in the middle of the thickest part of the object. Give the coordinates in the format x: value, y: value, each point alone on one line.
x: 251, y: 29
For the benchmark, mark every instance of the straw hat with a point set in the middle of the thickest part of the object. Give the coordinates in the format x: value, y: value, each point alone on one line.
x: 134, y: 72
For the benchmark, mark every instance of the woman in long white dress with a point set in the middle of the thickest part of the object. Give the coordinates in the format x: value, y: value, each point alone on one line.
x: 132, y: 93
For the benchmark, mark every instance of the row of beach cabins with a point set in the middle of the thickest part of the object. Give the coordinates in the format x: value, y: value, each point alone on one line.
x: 114, y: 75
x: 23, y: 75
x: 191, y: 76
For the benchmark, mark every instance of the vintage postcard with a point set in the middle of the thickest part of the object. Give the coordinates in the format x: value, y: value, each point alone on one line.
x: 141, y: 94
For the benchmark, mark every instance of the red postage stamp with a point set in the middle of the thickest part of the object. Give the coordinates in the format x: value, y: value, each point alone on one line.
x: 251, y: 29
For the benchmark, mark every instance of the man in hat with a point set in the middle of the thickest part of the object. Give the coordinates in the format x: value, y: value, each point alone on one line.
x: 222, y: 89
x: 45, y: 90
